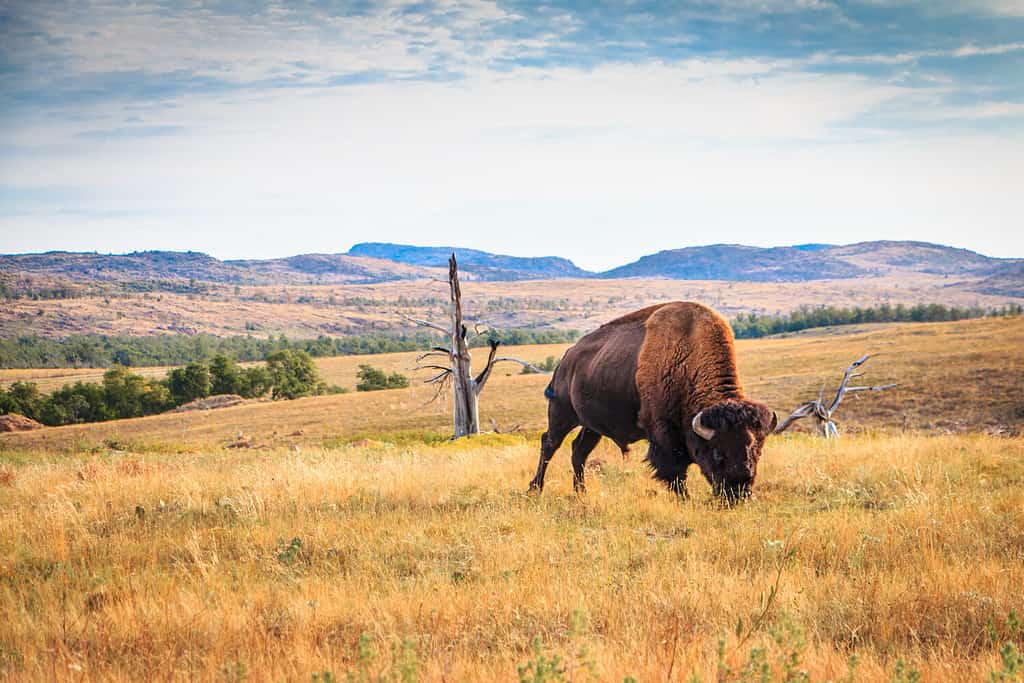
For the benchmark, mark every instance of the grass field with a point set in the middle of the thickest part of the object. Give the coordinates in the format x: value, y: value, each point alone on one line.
x: 963, y: 376
x: 306, y: 311
x: 352, y: 538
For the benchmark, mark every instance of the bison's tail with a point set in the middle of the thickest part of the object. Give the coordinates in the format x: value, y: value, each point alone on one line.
x: 549, y: 393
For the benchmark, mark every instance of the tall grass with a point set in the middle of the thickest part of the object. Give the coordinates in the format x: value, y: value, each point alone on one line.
x: 877, y: 555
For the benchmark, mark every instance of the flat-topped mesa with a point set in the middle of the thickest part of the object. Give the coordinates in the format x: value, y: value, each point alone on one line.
x: 666, y: 373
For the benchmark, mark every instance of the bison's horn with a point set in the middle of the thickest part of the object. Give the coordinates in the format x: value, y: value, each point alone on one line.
x: 702, y: 431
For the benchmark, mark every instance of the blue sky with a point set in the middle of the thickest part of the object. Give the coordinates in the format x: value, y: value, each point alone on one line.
x: 597, y: 131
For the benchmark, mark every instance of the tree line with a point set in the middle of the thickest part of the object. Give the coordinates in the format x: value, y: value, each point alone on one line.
x: 287, y: 374
x: 752, y: 325
x: 101, y: 351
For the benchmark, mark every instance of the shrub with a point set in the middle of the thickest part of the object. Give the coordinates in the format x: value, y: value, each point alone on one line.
x: 293, y: 374
x: 254, y: 381
x: 189, y: 383
x: 374, y: 379
x: 22, y: 398
x: 225, y: 376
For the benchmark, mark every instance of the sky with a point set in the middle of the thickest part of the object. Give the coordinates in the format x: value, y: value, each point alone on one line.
x: 598, y: 131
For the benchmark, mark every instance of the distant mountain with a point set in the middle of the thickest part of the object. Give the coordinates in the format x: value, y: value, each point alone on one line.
x: 1006, y: 280
x: 373, y: 262
x: 148, y: 266
x: 484, y: 265
x: 813, y: 262
x: 922, y: 257
x: 739, y: 263
x: 85, y: 266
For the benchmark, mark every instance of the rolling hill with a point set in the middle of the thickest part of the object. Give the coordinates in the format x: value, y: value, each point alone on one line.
x: 482, y: 264
x: 739, y: 263
x: 376, y: 262
x: 58, y: 294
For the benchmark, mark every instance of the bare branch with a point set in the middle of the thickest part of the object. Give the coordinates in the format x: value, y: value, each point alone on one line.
x: 433, y: 367
x: 440, y: 377
x: 523, y: 363
x: 479, y: 330
x: 846, y: 380
x: 426, y: 323
x: 802, y: 411
x: 441, y: 386
x: 485, y: 374
x: 879, y: 388
x: 499, y: 430
x: 429, y: 354
x: 823, y: 413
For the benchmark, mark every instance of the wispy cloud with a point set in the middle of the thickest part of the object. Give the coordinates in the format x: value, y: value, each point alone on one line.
x: 396, y: 114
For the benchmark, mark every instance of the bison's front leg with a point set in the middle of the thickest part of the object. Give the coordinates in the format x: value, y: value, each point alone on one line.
x: 669, y: 459
x: 549, y: 443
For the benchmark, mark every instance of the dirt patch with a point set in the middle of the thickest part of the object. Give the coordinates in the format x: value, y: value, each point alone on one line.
x: 211, y: 403
x: 12, y: 422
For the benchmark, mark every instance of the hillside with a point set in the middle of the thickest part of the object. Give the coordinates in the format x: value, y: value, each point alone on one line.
x: 736, y: 262
x: 483, y: 265
x: 182, y: 271
x: 376, y: 262
x: 59, y: 294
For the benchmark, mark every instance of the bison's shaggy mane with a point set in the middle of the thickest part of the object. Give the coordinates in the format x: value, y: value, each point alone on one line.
x: 733, y: 414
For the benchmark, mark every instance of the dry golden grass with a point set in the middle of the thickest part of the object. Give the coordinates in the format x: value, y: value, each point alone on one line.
x: 305, y: 311
x: 129, y: 566
x: 953, y: 377
x: 144, y: 549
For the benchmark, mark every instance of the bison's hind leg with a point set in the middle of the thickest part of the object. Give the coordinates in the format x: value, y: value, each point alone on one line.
x: 582, y: 446
x: 561, y: 420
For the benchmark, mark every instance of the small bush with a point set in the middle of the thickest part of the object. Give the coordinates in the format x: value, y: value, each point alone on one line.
x: 375, y: 379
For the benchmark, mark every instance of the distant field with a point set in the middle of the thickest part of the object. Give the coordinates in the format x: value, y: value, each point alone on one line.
x: 305, y: 311
x: 963, y: 376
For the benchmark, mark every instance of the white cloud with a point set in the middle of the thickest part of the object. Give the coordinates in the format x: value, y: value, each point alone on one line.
x: 635, y: 157
x: 528, y: 161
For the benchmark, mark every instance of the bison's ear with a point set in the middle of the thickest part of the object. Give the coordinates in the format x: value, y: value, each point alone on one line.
x: 775, y: 422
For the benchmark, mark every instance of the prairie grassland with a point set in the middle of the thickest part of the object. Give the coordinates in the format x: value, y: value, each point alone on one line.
x: 145, y: 549
x: 306, y: 311
x: 963, y: 376
x: 905, y: 551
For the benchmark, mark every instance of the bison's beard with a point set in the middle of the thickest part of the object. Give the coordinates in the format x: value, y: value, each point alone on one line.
x: 732, y: 494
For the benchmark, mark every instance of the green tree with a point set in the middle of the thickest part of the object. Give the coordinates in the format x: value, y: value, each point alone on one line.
x: 22, y: 398
x: 293, y: 374
x: 75, y: 403
x: 225, y: 376
x: 374, y: 379
x: 189, y: 383
x: 123, y: 392
x: 254, y: 381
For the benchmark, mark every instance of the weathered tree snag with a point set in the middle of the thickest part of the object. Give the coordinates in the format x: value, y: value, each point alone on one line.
x: 465, y: 388
x: 823, y: 413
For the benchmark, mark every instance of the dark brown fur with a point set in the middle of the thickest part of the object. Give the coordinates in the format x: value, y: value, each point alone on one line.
x: 645, y: 376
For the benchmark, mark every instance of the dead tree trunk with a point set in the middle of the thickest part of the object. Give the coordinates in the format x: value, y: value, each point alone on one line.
x: 823, y: 413
x: 458, y: 371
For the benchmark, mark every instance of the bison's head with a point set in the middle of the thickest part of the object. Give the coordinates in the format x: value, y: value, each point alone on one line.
x: 726, y: 443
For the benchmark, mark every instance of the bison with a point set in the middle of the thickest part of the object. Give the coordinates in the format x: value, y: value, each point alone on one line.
x: 666, y: 373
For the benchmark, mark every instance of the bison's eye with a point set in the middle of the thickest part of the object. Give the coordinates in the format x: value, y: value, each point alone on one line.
x: 717, y: 457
